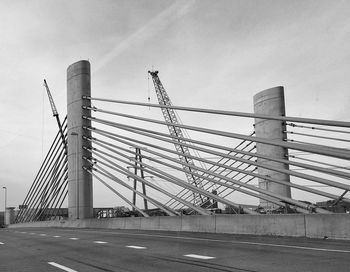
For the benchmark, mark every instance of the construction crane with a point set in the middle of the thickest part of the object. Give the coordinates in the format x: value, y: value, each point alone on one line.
x: 177, y: 136
x: 55, y: 114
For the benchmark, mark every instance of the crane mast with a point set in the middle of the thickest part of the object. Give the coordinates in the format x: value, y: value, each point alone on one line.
x: 177, y: 135
x: 55, y: 114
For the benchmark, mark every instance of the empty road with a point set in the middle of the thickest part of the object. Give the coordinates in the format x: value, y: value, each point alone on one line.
x: 56, y: 249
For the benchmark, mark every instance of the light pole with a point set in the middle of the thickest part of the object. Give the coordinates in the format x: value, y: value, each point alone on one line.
x: 76, y: 169
x: 5, y: 197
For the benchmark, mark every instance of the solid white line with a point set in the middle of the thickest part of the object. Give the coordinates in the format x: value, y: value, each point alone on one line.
x: 297, y: 247
x: 226, y: 241
x: 65, y: 268
x: 136, y: 247
x: 100, y: 242
x: 74, y: 238
x: 199, y: 256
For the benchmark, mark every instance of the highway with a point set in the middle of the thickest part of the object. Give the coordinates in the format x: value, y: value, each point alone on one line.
x: 58, y: 249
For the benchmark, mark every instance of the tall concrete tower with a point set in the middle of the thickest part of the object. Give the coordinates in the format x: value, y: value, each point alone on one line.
x: 271, y: 102
x: 80, y: 204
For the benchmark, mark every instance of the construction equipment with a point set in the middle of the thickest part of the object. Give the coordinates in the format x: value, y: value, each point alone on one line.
x: 55, y: 114
x: 177, y: 134
x: 191, y: 174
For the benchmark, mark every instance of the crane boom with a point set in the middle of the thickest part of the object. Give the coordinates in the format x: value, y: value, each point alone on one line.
x: 55, y: 114
x: 171, y: 119
x: 52, y: 103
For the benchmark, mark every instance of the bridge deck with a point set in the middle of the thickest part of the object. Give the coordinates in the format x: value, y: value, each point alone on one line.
x: 51, y: 249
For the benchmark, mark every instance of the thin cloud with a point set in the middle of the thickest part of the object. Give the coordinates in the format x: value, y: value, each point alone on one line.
x: 160, y: 22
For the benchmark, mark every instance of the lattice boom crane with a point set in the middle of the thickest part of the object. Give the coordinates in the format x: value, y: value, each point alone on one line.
x: 170, y: 118
x: 55, y: 114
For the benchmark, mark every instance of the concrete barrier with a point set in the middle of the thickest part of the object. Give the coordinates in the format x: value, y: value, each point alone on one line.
x: 150, y: 223
x: 133, y: 223
x: 198, y: 223
x: 170, y: 223
x: 279, y: 225
x: 335, y: 226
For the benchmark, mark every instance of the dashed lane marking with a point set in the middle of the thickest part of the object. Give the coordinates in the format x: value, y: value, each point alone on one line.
x: 32, y: 233
x: 100, y: 242
x: 228, y: 241
x: 43, y: 234
x: 137, y: 247
x: 65, y: 268
x: 1, y: 243
x: 56, y: 236
x: 74, y: 238
x: 199, y: 256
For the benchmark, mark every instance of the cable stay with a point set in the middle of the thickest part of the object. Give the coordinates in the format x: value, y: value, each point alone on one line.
x: 49, y: 188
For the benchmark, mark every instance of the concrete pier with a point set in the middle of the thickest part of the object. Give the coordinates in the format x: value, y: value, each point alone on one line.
x: 9, y: 217
x: 80, y: 199
x: 271, y: 102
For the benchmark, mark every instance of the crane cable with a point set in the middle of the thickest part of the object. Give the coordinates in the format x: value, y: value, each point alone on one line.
x: 149, y: 93
x: 43, y: 124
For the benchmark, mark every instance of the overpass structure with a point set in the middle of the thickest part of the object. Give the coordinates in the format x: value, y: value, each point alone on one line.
x: 282, y: 166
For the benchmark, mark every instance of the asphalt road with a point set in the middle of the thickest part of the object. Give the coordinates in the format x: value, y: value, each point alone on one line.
x: 119, y: 250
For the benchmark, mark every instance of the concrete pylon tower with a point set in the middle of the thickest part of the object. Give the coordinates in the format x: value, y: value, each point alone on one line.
x: 271, y: 102
x: 80, y: 199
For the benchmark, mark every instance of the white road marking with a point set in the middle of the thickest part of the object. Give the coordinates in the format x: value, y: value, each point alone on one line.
x: 222, y: 241
x: 65, y: 268
x: 1, y: 243
x: 43, y: 234
x: 199, y: 256
x: 137, y: 247
x: 231, y: 242
x: 297, y: 247
x: 32, y: 233
x: 100, y: 242
x: 56, y: 236
x: 74, y: 238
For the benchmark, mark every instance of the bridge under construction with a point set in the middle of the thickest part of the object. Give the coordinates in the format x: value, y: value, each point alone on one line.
x: 285, y: 166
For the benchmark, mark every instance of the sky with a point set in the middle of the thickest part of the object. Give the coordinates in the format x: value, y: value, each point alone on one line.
x: 210, y: 54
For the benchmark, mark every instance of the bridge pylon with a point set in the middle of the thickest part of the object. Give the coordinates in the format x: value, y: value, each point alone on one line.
x: 271, y: 102
x: 80, y: 189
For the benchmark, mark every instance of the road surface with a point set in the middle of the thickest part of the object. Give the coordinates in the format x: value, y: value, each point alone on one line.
x: 56, y: 249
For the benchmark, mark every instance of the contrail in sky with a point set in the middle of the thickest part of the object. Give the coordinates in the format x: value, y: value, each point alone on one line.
x: 161, y: 21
